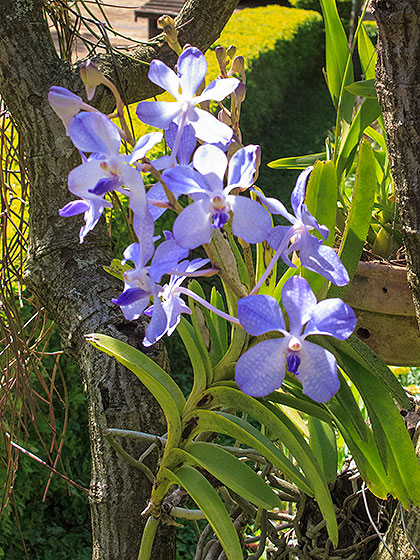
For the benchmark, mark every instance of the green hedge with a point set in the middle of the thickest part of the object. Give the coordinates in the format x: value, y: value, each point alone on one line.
x: 287, y: 109
x: 343, y: 6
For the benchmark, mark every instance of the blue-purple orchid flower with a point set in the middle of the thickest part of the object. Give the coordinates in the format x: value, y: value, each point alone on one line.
x: 213, y: 204
x: 105, y: 170
x: 141, y: 282
x: 313, y: 254
x: 168, y: 304
x: 191, y: 71
x: 262, y: 368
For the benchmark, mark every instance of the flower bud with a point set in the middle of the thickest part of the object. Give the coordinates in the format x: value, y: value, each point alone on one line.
x: 231, y: 51
x: 224, y: 117
x: 167, y: 23
x: 240, y: 93
x: 221, y: 59
x: 238, y: 67
x: 91, y: 77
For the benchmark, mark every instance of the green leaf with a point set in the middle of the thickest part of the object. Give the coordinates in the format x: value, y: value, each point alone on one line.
x: 308, y: 407
x: 364, y: 88
x: 339, y: 66
x: 281, y: 428
x: 394, y: 443
x: 201, y: 374
x: 297, y: 162
x: 159, y: 383
x: 264, y: 255
x: 368, y: 112
x: 220, y: 324
x: 246, y: 433
x: 367, y: 54
x: 324, y: 447
x: 360, y: 352
x: 223, y: 370
x: 359, y: 218
x: 232, y: 472
x: 215, y: 352
x: 207, y: 499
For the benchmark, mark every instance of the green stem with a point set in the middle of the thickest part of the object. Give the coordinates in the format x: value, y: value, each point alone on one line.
x: 148, y: 538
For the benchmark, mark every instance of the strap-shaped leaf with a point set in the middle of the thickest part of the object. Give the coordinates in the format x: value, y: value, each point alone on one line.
x: 201, y: 373
x: 367, y: 54
x: 281, y: 428
x: 368, y: 112
x: 363, y: 88
x: 215, y: 352
x: 220, y: 324
x: 360, y: 352
x: 246, y: 433
x: 338, y: 60
x: 324, y: 446
x: 394, y: 442
x: 207, y: 499
x: 364, y: 451
x: 159, y: 383
x: 232, y: 472
x: 308, y: 407
x: 297, y: 162
x: 360, y: 214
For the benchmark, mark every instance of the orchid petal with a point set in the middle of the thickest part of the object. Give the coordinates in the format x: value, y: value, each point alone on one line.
x: 158, y: 325
x: 192, y: 68
x: 299, y: 302
x: 158, y: 113
x: 187, y: 142
x: 167, y: 256
x: 164, y: 77
x: 262, y: 368
x: 95, y: 132
x: 311, y: 222
x: 260, y: 314
x: 332, y: 317
x: 144, y: 227
x: 218, y: 89
x: 143, y: 145
x: 322, y: 259
x: 274, y: 206
x: 193, y: 226
x: 185, y: 180
x: 134, y: 309
x: 208, y: 128
x: 242, y: 167
x: 84, y: 177
x: 318, y: 372
x: 211, y: 162
x: 251, y: 221
x: 73, y: 208
x: 298, y: 194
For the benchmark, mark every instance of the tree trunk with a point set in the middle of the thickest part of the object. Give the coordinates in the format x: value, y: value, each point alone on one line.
x: 68, y: 278
x: 398, y: 87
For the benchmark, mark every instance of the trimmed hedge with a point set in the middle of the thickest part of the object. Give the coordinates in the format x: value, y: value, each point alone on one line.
x: 287, y: 109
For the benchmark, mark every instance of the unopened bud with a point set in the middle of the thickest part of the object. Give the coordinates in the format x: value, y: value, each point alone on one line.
x: 224, y: 117
x: 66, y: 104
x: 240, y: 93
x: 221, y: 59
x: 167, y: 23
x: 91, y: 77
x: 238, y: 67
x: 231, y: 51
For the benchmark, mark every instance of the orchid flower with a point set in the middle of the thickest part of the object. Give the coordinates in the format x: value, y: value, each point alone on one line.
x: 168, y: 305
x: 191, y: 71
x: 313, y: 254
x: 67, y: 105
x: 213, y: 203
x: 141, y: 282
x: 262, y: 368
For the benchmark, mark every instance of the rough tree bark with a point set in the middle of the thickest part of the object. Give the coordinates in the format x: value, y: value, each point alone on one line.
x: 398, y: 87
x: 67, y: 277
